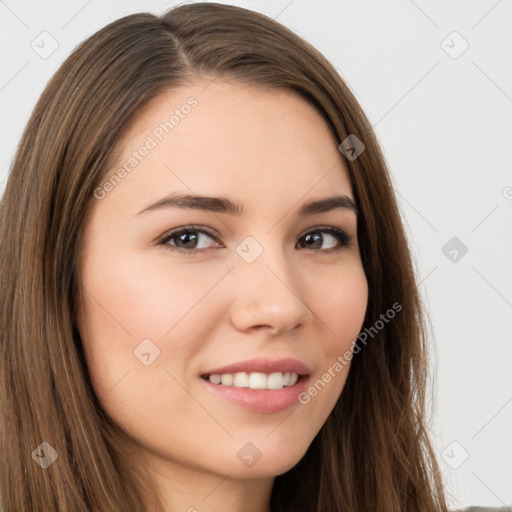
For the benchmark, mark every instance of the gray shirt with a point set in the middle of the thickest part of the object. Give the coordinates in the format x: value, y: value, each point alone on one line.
x: 485, y: 509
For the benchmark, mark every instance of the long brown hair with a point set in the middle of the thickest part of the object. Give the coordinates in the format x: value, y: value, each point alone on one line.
x: 373, y: 453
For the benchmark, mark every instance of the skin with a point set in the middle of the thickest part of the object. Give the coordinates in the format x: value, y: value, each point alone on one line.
x: 270, y: 151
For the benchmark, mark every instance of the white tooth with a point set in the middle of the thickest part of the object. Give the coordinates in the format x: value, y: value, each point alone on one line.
x: 257, y: 380
x: 241, y: 380
x: 227, y: 379
x: 215, y: 378
x: 275, y: 381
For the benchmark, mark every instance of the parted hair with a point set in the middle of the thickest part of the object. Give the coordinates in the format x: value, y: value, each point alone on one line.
x: 372, y: 454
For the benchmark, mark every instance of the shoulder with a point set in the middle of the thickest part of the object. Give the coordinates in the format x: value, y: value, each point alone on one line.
x: 485, y: 509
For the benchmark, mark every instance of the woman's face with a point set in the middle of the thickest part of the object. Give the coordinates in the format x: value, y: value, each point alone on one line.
x: 176, y: 323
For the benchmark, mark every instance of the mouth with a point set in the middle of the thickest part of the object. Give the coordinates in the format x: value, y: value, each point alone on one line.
x: 259, y: 385
x: 254, y: 380
x: 260, y: 373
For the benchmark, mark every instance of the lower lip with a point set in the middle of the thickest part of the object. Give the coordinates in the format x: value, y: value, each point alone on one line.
x: 266, y: 401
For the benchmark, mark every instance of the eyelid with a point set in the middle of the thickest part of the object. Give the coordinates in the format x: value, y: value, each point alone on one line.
x: 190, y: 227
x: 321, y: 227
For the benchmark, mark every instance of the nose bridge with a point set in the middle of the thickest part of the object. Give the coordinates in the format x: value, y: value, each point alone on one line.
x: 268, y: 290
x: 265, y: 261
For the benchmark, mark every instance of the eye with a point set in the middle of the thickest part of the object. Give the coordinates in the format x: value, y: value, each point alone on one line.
x: 188, y: 239
x: 315, y: 239
x: 192, y: 240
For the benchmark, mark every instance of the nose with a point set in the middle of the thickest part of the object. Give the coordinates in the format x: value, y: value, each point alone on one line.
x: 269, y: 294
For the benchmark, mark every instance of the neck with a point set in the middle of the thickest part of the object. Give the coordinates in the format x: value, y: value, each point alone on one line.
x: 190, y: 489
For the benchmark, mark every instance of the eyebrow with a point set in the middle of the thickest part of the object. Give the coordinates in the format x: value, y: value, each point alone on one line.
x: 225, y: 205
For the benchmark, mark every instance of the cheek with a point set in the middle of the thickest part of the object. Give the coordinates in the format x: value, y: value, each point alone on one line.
x: 340, y: 303
x: 149, y: 300
x: 132, y: 308
x: 341, y: 310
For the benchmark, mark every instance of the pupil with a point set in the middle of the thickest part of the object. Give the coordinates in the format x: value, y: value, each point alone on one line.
x: 187, y: 237
x: 315, y: 237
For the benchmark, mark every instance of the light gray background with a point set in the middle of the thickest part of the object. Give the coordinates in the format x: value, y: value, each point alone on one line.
x: 445, y: 123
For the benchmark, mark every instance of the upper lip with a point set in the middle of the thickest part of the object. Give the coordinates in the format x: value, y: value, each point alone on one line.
x: 263, y: 366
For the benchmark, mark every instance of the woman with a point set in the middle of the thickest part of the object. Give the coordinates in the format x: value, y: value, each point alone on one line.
x: 208, y: 300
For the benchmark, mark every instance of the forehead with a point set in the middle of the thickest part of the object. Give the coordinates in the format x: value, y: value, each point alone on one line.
x: 221, y: 138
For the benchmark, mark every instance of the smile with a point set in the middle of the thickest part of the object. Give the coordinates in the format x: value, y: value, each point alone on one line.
x: 254, y: 380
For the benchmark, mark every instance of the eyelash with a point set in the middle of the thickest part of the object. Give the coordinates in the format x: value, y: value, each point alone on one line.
x: 343, y: 238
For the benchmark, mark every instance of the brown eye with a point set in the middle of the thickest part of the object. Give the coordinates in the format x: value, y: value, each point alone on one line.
x: 191, y: 240
x: 188, y: 239
x: 316, y: 239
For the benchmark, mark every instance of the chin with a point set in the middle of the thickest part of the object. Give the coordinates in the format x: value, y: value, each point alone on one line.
x: 272, y: 463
